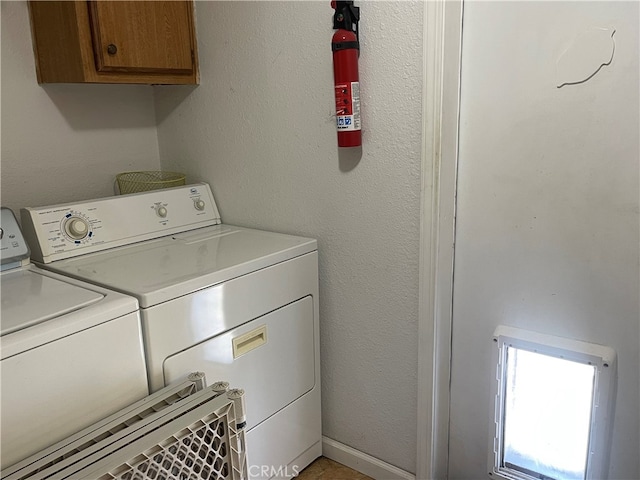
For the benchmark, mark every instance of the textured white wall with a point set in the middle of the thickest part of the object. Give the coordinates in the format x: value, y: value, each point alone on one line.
x: 548, y: 201
x: 62, y: 143
x: 260, y: 130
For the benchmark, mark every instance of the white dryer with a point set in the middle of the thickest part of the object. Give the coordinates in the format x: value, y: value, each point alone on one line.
x: 70, y: 352
x: 232, y: 302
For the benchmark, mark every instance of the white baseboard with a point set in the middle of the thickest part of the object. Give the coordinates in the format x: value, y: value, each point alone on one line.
x: 362, y: 462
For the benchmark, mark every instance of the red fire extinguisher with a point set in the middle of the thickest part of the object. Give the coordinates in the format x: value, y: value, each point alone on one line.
x: 346, y: 49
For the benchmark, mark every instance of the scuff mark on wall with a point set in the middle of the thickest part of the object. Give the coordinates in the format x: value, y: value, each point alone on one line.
x: 589, y: 52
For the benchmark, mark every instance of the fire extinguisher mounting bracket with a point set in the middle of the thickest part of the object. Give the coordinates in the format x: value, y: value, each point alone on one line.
x: 344, y: 45
x: 346, y: 16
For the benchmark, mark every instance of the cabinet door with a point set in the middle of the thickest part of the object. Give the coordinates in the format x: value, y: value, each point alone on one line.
x: 143, y: 36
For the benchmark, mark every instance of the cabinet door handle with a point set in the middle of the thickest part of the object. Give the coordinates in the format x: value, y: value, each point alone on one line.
x: 112, y: 49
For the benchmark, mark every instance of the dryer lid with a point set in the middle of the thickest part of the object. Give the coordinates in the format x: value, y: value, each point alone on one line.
x: 29, y: 298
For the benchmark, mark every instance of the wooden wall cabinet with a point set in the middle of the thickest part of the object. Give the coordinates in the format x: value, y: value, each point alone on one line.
x: 108, y: 41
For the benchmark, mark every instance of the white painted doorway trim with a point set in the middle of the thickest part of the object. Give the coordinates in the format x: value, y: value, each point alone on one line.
x: 441, y: 87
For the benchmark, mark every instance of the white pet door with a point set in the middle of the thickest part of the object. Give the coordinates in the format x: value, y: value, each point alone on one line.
x: 551, y: 413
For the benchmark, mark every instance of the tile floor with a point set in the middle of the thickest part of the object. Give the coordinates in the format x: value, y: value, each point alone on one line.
x: 325, y: 469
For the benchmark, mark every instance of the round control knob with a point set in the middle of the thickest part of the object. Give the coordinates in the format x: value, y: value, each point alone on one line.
x: 161, y: 211
x: 199, y: 204
x: 76, y: 228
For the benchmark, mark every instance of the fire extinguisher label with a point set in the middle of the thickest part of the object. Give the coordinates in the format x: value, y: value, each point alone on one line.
x: 348, y: 106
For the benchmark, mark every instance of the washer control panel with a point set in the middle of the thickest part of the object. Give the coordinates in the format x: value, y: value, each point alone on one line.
x: 13, y: 246
x: 68, y: 230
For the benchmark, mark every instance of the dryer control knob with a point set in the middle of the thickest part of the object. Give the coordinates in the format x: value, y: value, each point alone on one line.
x: 161, y: 211
x: 199, y: 204
x: 76, y: 228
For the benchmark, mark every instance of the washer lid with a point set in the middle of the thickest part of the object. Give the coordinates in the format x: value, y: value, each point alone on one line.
x: 156, y: 271
x: 29, y: 298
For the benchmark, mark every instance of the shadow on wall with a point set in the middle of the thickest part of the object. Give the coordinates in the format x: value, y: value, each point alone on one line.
x: 172, y: 96
x: 349, y: 158
x: 99, y: 107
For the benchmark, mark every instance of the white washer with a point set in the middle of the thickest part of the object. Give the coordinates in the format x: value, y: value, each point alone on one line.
x: 235, y: 303
x: 70, y: 352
